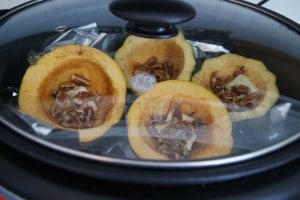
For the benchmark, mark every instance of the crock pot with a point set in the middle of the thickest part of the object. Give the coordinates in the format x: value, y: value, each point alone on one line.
x: 262, y: 164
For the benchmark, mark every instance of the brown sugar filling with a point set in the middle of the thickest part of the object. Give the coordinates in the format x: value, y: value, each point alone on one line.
x: 176, y: 134
x: 161, y: 70
x: 238, y: 98
x: 75, y: 103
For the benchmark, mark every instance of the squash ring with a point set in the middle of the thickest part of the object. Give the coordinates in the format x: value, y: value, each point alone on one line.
x: 56, y: 67
x: 138, y: 50
x: 255, y: 71
x: 157, y: 101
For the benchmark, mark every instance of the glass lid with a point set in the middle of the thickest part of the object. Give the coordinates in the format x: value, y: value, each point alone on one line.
x: 223, y: 90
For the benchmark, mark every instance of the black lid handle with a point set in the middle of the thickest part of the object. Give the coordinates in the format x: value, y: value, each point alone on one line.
x: 153, y: 18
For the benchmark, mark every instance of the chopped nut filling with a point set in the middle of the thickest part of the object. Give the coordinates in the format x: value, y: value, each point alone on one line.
x: 176, y: 134
x: 236, y: 91
x: 161, y: 70
x: 75, y: 105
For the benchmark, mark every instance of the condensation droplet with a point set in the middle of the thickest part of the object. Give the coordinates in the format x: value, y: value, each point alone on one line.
x: 142, y: 82
x: 61, y: 28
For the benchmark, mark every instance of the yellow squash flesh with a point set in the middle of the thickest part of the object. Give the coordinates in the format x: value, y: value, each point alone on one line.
x: 191, y: 97
x: 137, y: 50
x: 56, y: 67
x: 255, y: 70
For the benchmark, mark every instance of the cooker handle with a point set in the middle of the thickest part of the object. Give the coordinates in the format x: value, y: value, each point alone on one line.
x: 153, y: 18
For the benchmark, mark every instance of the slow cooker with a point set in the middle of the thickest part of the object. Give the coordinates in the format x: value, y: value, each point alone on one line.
x: 38, y: 162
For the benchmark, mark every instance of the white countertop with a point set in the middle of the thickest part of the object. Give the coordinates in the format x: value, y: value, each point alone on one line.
x: 288, y: 8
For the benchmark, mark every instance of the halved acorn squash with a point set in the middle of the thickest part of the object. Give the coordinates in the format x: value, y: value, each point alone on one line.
x: 145, y: 61
x: 245, y: 85
x: 178, y: 120
x: 74, y: 87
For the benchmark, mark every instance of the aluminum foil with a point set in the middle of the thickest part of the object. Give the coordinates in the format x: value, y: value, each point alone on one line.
x: 87, y: 35
x: 203, y: 50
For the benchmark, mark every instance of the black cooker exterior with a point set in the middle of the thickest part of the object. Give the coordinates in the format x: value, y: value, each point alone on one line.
x: 32, y: 179
x: 35, y: 172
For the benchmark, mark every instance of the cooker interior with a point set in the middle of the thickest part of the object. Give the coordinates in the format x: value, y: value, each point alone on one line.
x: 238, y: 28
